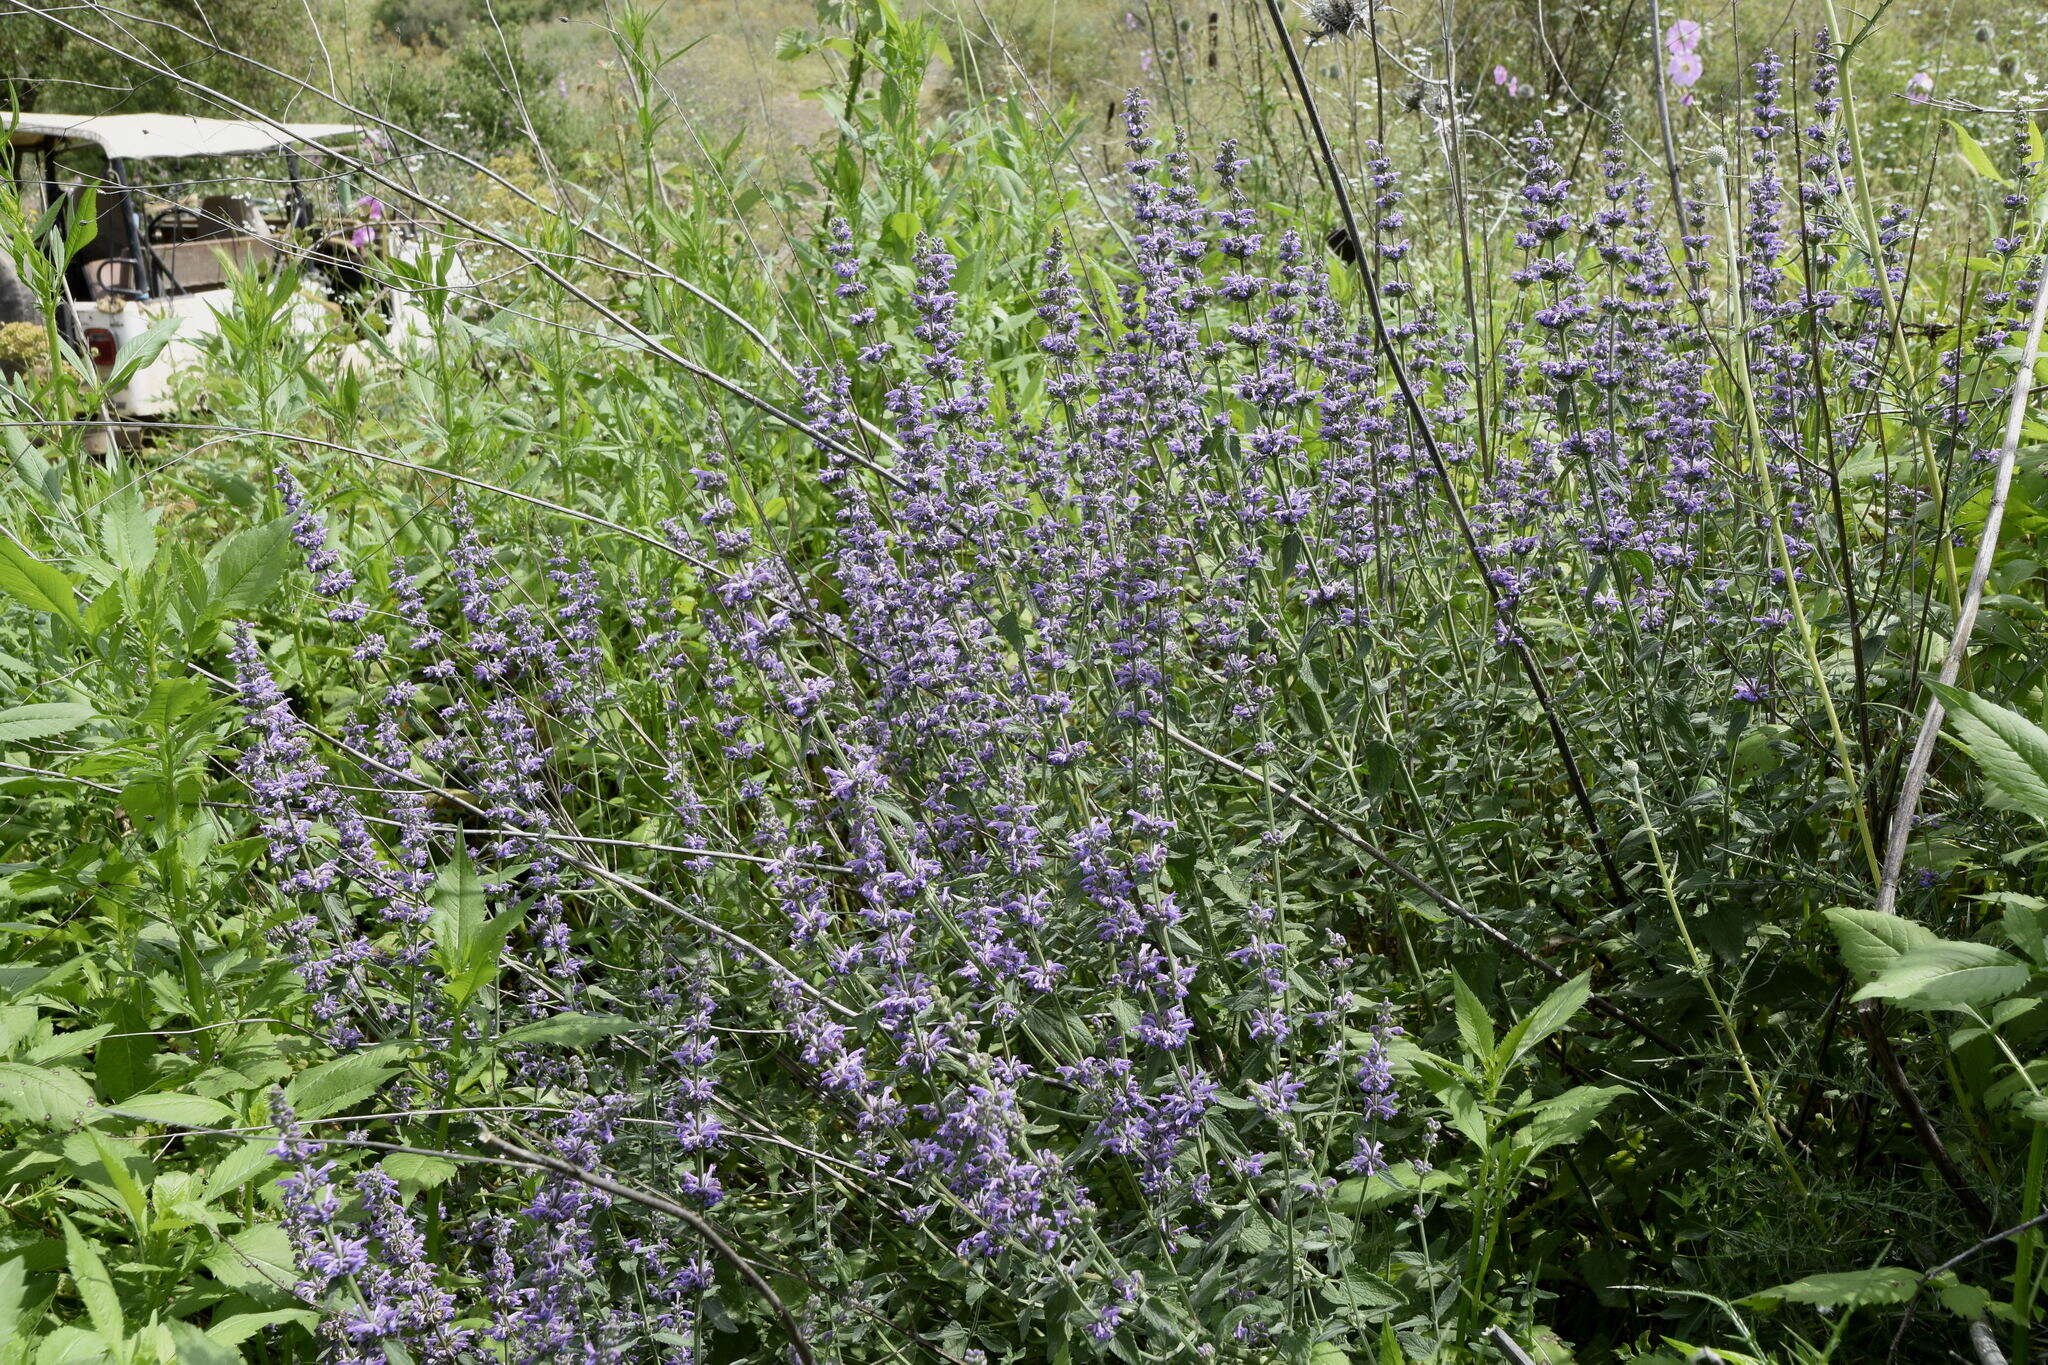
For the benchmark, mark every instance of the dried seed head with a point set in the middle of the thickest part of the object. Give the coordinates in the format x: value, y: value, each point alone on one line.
x: 1335, y: 18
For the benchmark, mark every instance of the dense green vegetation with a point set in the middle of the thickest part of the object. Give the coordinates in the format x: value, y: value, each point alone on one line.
x: 1002, y: 734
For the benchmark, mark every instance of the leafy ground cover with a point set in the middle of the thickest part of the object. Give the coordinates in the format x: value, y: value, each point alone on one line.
x: 975, y: 755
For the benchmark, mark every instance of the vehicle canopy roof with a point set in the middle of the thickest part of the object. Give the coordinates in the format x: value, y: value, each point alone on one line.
x: 137, y: 137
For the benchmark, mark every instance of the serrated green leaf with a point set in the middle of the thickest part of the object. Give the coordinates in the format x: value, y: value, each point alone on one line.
x: 55, y: 1097
x: 128, y: 529
x: 41, y: 720
x: 415, y: 1168
x: 1552, y: 1013
x: 92, y: 1283
x: 36, y: 585
x: 334, y: 1086
x: 2010, y: 750
x: 1566, y: 1118
x: 563, y: 1030
x: 235, y: 1330
x: 239, y: 1167
x: 245, y: 569
x: 197, y: 1348
x: 1949, y: 974
x: 1475, y: 1029
x: 257, y: 1261
x: 1844, y: 1289
x: 176, y: 1110
x: 1872, y: 942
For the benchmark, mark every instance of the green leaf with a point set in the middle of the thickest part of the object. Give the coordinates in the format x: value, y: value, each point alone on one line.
x: 1872, y: 942
x: 16, y: 1023
x: 244, y: 569
x: 1566, y: 1118
x: 257, y: 1261
x: 93, y: 1284
x: 176, y: 1110
x: 1844, y: 1289
x: 333, y: 1086
x: 36, y: 585
x: 128, y: 529
x: 197, y: 1348
x: 1466, y: 1115
x: 171, y: 699
x: 2011, y: 750
x: 1475, y: 1029
x: 414, y: 1168
x: 13, y: 1290
x: 52, y: 1096
x: 1551, y: 1014
x: 136, y: 353
x: 124, y: 1184
x: 239, y: 1167
x: 564, y: 1030
x: 467, y: 942
x: 1974, y: 155
x: 235, y: 1330
x: 1397, y: 1184
x: 42, y: 719
x: 1949, y: 974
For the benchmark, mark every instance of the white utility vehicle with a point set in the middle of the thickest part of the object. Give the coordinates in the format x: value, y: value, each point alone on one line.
x: 177, y: 201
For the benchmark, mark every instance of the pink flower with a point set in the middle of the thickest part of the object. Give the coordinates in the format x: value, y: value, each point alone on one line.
x: 1500, y: 75
x: 1684, y: 69
x: 1919, y: 86
x: 371, y: 207
x: 1682, y: 37
x: 362, y: 237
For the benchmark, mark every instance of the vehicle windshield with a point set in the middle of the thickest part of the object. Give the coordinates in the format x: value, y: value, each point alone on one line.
x: 182, y: 224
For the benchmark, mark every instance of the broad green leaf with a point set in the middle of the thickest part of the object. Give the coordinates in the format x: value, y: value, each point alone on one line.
x: 235, y: 1330
x: 128, y: 529
x: 239, y: 1167
x: 2011, y: 750
x: 133, y: 1198
x: 176, y: 1110
x: 53, y: 1096
x: 564, y: 1030
x: 1466, y: 1115
x: 16, y: 1023
x: 93, y: 1284
x: 1872, y: 942
x: 13, y: 1290
x: 1552, y: 1013
x: 36, y: 585
x: 467, y: 942
x: 1475, y: 1029
x: 1397, y: 1184
x: 258, y: 1262
x: 1566, y: 1118
x: 244, y: 569
x: 1362, y: 1289
x: 414, y: 1168
x: 197, y: 1348
x: 42, y: 719
x: 334, y: 1086
x: 1949, y: 974
x: 170, y: 699
x: 1974, y: 155
x: 138, y: 351
x: 1844, y: 1289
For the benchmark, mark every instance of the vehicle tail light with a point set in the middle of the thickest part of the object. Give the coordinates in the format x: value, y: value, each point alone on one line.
x: 101, y: 346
